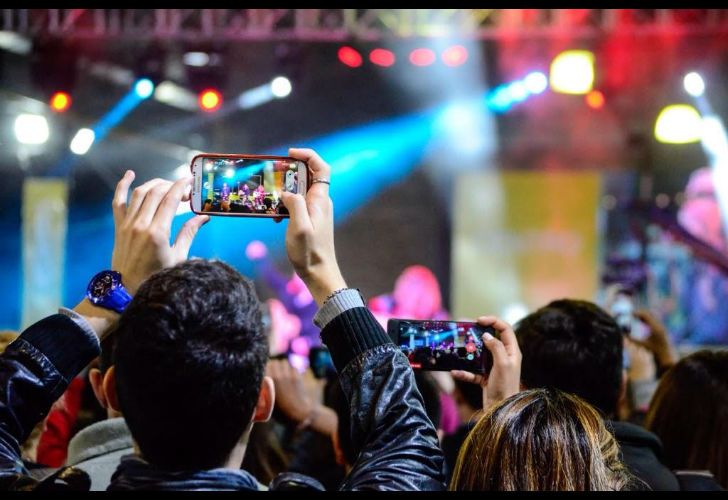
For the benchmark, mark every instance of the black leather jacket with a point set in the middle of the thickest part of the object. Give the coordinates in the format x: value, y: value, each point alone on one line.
x: 398, y: 444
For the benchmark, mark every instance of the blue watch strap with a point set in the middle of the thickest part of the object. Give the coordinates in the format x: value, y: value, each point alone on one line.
x: 118, y: 299
x: 115, y: 297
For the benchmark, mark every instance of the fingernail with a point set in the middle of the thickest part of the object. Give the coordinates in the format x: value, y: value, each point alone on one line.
x: 488, y: 336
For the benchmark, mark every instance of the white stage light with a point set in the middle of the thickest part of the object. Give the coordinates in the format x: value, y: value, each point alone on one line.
x: 694, y: 84
x: 31, y: 129
x: 280, y: 86
x: 82, y: 141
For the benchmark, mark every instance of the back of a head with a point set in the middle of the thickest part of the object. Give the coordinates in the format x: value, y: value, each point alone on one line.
x: 190, y: 357
x: 540, y: 440
x: 575, y: 346
x: 689, y: 413
x: 471, y: 394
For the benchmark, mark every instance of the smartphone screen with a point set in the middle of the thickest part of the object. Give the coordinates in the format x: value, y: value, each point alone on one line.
x: 622, y: 309
x: 242, y: 185
x: 442, y: 345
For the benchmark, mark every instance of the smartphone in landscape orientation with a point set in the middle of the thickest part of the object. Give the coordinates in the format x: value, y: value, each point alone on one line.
x: 442, y: 345
x: 242, y: 185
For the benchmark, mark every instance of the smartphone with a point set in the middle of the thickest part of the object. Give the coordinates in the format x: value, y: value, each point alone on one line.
x: 241, y: 185
x: 442, y: 345
x: 319, y: 359
x: 622, y: 308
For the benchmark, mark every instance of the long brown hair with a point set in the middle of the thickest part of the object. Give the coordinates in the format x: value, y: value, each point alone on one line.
x: 689, y: 413
x: 540, y: 440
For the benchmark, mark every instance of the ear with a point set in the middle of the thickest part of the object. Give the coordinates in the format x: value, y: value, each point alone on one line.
x: 109, y: 386
x: 96, y: 379
x: 266, y: 401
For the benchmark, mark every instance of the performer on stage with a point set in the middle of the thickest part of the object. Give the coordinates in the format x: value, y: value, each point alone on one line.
x: 225, y: 197
x: 416, y: 295
x: 706, y: 288
x: 292, y: 294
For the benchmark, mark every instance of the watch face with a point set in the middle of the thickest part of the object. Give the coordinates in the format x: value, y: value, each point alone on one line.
x: 102, y: 285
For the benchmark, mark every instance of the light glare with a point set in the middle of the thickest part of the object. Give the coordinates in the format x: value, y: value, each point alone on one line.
x: 31, y: 129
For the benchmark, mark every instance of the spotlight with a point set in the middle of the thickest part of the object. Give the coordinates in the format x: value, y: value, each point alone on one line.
x: 60, y: 102
x: 518, y: 91
x: 678, y: 124
x: 82, y: 141
x: 455, y: 55
x: 210, y: 100
x: 595, y: 99
x: 31, y: 129
x: 422, y: 57
x: 382, y: 57
x: 350, y: 57
x: 536, y: 82
x: 694, y: 84
x: 572, y: 72
x: 197, y: 59
x: 229, y: 173
x: 280, y: 86
x: 144, y: 88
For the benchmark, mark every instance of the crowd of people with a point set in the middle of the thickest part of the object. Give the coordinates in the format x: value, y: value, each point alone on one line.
x: 178, y: 390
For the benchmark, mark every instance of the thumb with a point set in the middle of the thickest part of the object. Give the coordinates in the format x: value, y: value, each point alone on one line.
x: 463, y: 376
x: 296, y: 205
x: 187, y: 234
x: 495, y: 346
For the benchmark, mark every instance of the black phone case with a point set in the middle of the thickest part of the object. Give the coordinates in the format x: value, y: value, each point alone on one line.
x: 487, y: 357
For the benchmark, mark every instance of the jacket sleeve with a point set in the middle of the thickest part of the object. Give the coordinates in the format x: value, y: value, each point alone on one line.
x: 398, y: 444
x: 34, y: 371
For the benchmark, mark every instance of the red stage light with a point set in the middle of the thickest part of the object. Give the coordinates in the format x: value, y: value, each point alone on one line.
x: 422, y: 57
x: 455, y: 55
x: 382, y: 57
x: 210, y: 100
x: 350, y: 57
x: 595, y: 99
x: 60, y: 101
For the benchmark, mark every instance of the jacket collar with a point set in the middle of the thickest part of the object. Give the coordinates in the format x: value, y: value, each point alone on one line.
x: 630, y: 434
x: 99, y: 439
x: 134, y: 473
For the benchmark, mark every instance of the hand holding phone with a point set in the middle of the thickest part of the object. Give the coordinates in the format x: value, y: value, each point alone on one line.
x: 245, y: 185
x: 442, y: 345
x: 504, y: 378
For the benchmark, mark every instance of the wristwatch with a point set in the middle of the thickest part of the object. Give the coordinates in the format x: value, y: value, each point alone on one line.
x: 106, y: 290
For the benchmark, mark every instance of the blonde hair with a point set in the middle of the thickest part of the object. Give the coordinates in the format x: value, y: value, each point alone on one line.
x: 540, y: 440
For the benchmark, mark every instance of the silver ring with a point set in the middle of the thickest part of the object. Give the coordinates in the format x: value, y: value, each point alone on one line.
x: 324, y: 181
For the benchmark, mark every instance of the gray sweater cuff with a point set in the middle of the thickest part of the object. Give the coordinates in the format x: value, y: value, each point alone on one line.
x: 342, y: 301
x: 81, y: 322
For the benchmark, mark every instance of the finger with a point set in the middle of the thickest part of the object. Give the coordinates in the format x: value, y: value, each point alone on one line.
x: 317, y: 166
x: 635, y: 342
x: 463, y: 376
x: 187, y: 234
x: 296, y: 205
x: 505, y: 332
x: 151, y: 203
x: 496, y: 348
x: 647, y: 318
x: 138, y: 196
x: 121, y: 194
x: 168, y: 207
